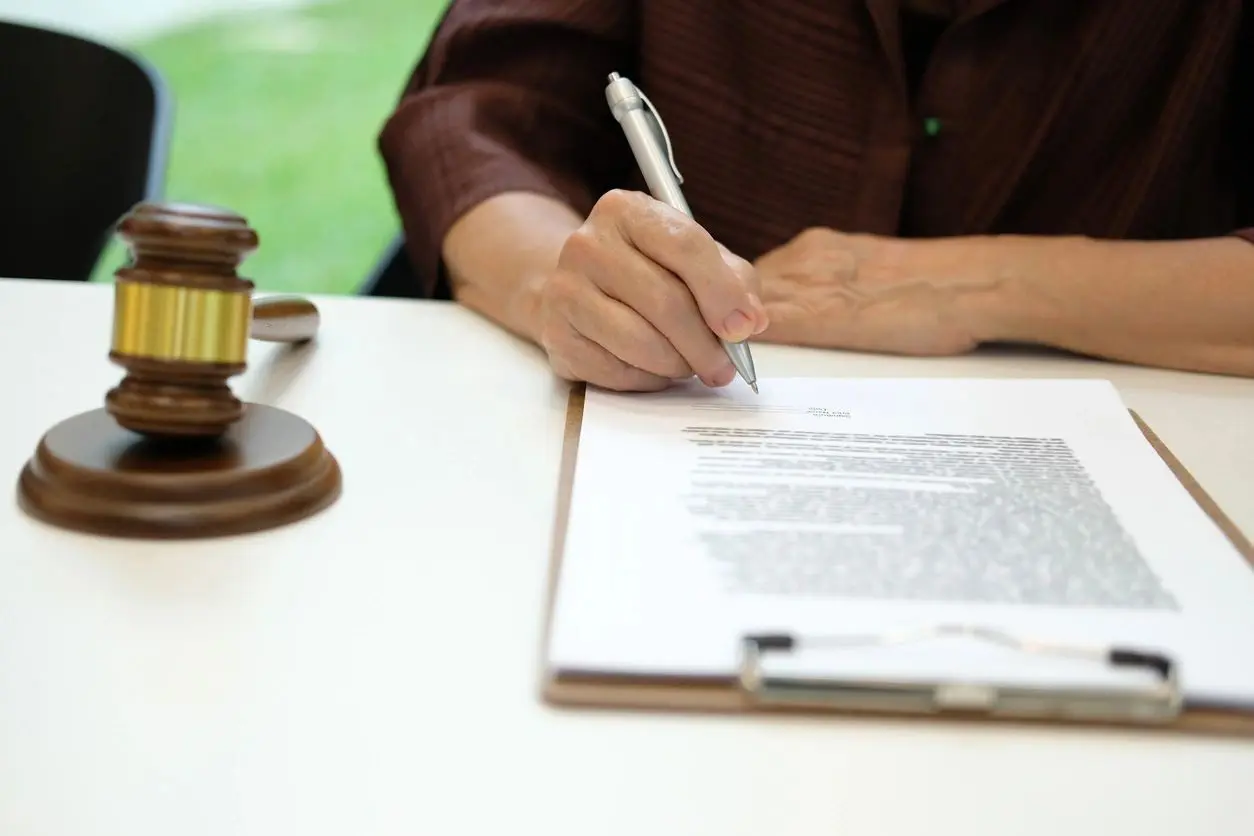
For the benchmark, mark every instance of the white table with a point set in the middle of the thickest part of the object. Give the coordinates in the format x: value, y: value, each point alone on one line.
x: 374, y: 669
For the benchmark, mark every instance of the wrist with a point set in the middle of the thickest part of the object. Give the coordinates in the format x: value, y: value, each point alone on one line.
x: 525, y: 311
x: 999, y: 282
x: 501, y: 252
x: 975, y: 278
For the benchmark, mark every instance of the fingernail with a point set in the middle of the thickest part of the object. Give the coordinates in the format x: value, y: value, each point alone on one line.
x: 720, y: 378
x: 738, y: 326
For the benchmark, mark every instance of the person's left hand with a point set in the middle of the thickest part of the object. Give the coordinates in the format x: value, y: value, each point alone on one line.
x: 869, y: 293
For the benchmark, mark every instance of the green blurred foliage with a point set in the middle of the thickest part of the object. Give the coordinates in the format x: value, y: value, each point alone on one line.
x: 276, y: 116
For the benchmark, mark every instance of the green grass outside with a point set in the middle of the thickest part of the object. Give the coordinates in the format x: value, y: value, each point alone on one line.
x: 277, y: 116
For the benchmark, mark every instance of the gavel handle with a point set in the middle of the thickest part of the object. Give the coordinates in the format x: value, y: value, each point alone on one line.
x: 284, y: 319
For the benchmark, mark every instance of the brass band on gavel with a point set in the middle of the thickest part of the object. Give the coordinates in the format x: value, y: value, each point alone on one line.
x: 180, y: 324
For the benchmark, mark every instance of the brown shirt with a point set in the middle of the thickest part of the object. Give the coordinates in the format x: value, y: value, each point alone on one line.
x: 1108, y: 118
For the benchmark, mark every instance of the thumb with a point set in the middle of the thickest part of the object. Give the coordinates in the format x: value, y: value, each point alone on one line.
x: 748, y: 276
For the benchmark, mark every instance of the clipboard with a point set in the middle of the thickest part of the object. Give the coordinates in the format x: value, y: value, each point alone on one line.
x: 1159, y: 707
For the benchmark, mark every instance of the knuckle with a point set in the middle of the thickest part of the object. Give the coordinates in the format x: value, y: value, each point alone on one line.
x: 615, y: 202
x: 815, y: 236
x: 580, y: 247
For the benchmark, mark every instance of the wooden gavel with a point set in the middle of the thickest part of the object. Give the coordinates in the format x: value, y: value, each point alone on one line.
x: 183, y: 318
x: 173, y: 453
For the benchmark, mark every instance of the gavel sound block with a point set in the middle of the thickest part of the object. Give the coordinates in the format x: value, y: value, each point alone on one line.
x: 173, y: 453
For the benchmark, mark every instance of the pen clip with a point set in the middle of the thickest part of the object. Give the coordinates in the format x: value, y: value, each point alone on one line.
x: 666, y: 138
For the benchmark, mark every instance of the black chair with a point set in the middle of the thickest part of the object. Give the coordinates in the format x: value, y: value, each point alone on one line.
x: 393, y: 276
x: 85, y: 137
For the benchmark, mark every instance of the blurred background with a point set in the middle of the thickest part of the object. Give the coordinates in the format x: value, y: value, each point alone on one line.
x: 277, y: 107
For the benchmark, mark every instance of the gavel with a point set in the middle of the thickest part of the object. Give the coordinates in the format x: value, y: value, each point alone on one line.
x: 174, y: 453
x: 182, y: 319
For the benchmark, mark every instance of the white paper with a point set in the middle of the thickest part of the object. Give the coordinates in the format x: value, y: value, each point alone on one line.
x: 833, y: 507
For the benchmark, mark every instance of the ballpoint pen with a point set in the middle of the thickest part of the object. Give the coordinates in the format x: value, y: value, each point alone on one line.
x: 652, y: 148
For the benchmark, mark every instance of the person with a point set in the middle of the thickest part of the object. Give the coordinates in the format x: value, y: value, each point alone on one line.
x: 916, y: 177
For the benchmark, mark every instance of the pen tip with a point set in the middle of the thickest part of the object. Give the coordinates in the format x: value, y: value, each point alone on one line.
x: 753, y: 384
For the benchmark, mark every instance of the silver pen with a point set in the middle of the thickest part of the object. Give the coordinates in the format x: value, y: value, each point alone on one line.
x: 652, y: 146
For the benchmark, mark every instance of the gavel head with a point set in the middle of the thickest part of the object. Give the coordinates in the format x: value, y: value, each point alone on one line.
x: 181, y: 320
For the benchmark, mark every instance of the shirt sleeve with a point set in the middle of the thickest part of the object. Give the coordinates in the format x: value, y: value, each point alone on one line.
x: 1243, y: 89
x: 509, y: 96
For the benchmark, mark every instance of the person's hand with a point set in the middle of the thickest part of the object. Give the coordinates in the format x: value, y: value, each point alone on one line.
x: 641, y: 295
x: 870, y: 293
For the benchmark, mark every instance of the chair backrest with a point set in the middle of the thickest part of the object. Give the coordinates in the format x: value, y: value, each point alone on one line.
x: 84, y: 136
x: 393, y: 276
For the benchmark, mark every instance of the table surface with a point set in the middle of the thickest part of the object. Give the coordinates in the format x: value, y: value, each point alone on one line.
x: 374, y: 670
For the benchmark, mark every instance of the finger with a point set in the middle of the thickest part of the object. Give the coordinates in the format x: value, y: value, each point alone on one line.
x: 625, y: 275
x: 677, y: 243
x: 749, y: 275
x: 574, y: 357
x: 627, y: 335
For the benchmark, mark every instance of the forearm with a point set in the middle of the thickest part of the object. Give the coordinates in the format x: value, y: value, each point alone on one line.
x: 508, y: 97
x: 498, y: 253
x: 1175, y: 304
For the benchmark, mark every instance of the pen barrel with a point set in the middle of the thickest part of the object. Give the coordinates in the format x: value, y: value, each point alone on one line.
x: 644, y: 137
x: 739, y: 354
x: 652, y: 149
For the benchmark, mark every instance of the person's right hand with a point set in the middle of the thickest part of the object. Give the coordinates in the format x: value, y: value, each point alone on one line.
x: 641, y: 295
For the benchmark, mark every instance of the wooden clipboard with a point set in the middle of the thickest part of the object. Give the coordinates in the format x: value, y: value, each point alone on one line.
x: 724, y: 694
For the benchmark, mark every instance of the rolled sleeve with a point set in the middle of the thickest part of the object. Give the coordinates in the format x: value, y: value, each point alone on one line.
x: 509, y: 96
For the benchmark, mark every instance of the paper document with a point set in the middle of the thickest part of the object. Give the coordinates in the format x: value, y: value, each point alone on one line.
x: 835, y: 507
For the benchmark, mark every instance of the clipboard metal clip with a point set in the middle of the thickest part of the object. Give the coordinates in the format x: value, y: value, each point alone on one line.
x: 1159, y: 701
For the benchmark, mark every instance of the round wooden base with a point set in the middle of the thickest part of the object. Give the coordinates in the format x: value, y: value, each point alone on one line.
x: 89, y: 474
